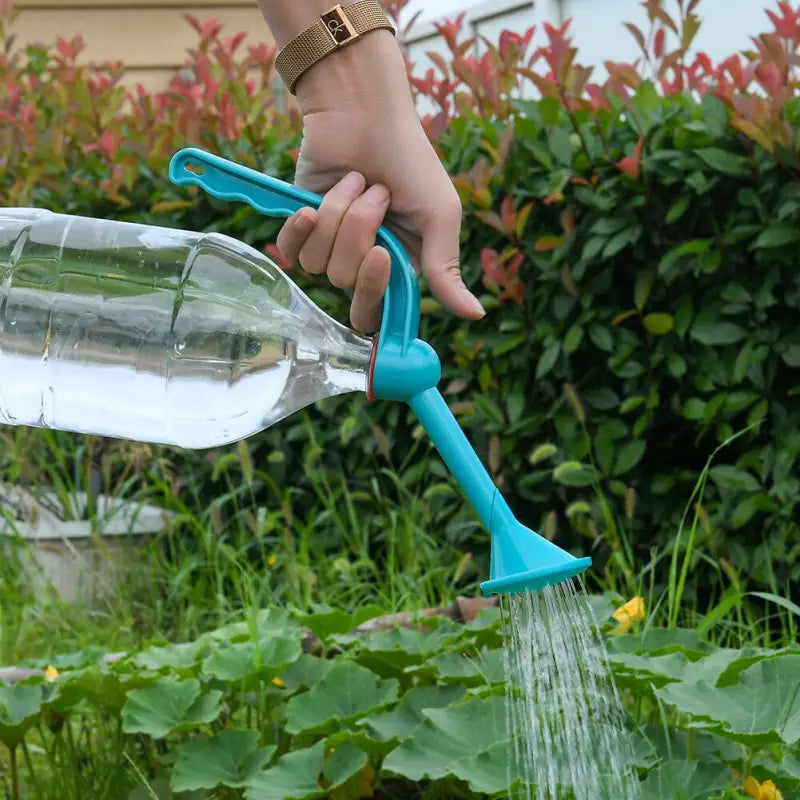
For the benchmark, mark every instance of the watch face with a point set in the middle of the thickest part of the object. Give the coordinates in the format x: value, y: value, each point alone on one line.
x: 338, y: 26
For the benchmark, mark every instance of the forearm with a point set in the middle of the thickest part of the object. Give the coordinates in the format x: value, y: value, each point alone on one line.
x: 369, y: 73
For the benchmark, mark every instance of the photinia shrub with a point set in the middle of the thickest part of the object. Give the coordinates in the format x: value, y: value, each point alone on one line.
x: 635, y: 241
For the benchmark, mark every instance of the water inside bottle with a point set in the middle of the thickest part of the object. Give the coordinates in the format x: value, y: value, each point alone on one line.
x: 158, y: 335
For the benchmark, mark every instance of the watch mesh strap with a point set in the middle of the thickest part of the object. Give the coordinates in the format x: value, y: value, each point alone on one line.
x: 336, y: 28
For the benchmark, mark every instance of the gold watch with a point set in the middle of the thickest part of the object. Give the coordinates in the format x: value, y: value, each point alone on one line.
x: 334, y: 29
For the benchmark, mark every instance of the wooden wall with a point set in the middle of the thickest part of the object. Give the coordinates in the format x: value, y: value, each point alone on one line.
x: 149, y: 36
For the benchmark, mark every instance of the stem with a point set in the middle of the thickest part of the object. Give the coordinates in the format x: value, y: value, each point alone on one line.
x: 29, y: 763
x: 14, y: 776
x: 73, y: 758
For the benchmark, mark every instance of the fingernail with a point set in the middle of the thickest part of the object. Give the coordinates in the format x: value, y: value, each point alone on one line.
x: 477, y: 306
x: 305, y: 221
x: 378, y: 195
x: 354, y: 182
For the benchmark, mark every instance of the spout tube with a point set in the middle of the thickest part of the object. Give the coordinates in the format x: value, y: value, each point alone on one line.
x: 456, y: 451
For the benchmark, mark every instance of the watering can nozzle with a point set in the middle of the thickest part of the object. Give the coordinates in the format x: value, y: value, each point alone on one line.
x: 524, y: 561
x: 405, y: 368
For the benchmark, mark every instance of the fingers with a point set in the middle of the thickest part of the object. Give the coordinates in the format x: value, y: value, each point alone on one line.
x: 371, y: 283
x: 440, y: 261
x: 316, y: 252
x: 339, y: 239
x: 295, y: 232
x: 356, y: 235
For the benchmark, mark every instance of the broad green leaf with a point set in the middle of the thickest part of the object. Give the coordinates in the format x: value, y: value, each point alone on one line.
x: 640, y: 671
x: 486, y: 772
x: 714, y: 333
x: 294, y: 777
x: 659, y: 323
x: 676, y: 365
x: 234, y: 662
x: 608, y: 225
x: 325, y: 621
x: 85, y: 657
x: 305, y: 672
x: 171, y: 656
x: 485, y: 668
x: 693, y: 247
x: 548, y: 359
x: 362, y: 740
x: 628, y: 456
x: 762, y: 708
x: 447, y: 735
x: 267, y: 622
x: 777, y: 235
x: 573, y: 473
x: 602, y: 337
x: 602, y: 398
x: 725, y: 161
x: 677, y: 209
x: 345, y: 761
x: 399, y: 723
x: 687, y: 780
x: 20, y: 705
x: 229, y: 758
x: 348, y: 692
x: 660, y: 641
x: 730, y: 477
x: 400, y: 647
x: 643, y: 287
x: 573, y: 339
x: 103, y: 685
x: 169, y: 706
x: 743, y: 659
x: 560, y: 146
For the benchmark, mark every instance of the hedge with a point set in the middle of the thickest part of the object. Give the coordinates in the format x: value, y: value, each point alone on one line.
x: 636, y: 244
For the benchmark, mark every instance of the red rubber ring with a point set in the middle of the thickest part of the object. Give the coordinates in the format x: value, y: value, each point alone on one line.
x: 371, y: 373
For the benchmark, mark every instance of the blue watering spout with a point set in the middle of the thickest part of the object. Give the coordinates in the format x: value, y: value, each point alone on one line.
x: 405, y: 369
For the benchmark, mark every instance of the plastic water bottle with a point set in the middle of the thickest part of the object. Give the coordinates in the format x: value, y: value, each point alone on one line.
x: 158, y: 335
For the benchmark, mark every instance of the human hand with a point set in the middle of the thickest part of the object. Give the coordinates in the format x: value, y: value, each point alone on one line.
x: 364, y: 149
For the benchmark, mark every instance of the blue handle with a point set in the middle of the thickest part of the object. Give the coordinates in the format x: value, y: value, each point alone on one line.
x: 275, y: 198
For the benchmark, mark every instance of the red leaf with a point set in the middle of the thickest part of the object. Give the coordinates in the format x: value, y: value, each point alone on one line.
x: 491, y: 266
x: 440, y: 62
x: 637, y: 34
x: 513, y: 266
x: 630, y: 164
x: 507, y: 215
x: 658, y: 43
x: 63, y: 47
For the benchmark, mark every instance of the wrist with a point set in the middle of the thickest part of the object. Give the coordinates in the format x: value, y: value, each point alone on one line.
x: 367, y: 75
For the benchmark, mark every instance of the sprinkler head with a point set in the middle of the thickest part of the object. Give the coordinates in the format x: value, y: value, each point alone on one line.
x: 524, y: 561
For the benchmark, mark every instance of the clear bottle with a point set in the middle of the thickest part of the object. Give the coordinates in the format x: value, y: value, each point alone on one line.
x: 158, y: 335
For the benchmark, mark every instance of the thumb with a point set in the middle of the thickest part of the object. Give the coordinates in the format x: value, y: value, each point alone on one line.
x: 440, y: 265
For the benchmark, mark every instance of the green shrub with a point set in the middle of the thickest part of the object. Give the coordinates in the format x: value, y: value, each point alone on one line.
x: 264, y: 709
x: 637, y: 246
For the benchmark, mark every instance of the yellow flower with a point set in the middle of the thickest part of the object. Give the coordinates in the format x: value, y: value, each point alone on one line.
x: 761, y: 791
x: 51, y: 673
x: 625, y: 615
x: 278, y: 682
x: 272, y: 560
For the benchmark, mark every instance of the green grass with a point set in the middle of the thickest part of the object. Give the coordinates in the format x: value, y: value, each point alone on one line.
x: 337, y: 545
x: 226, y: 553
